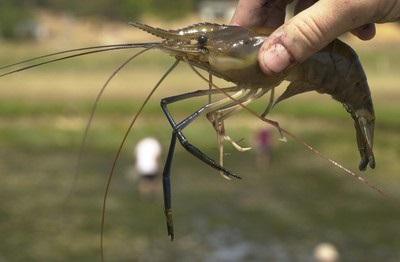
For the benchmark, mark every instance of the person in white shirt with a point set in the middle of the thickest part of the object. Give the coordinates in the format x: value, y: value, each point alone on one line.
x: 147, y: 154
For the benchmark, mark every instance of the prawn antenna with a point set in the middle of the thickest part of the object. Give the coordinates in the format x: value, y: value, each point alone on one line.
x: 117, y: 155
x: 99, y: 50
x: 92, y: 112
x: 62, y: 52
x: 310, y: 148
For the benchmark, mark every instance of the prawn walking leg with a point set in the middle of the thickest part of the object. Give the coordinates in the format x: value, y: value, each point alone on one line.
x: 167, y: 187
x: 177, y: 128
x: 176, y: 133
x: 217, y: 120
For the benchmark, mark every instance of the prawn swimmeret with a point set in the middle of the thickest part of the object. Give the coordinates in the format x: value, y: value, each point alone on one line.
x: 230, y: 53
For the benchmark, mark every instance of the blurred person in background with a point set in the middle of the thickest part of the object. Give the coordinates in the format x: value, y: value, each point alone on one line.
x: 147, y: 166
x: 326, y: 252
x: 263, y: 144
x: 314, y: 26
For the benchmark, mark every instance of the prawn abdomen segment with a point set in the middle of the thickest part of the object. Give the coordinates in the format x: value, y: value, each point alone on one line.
x: 355, y: 95
x: 337, y: 71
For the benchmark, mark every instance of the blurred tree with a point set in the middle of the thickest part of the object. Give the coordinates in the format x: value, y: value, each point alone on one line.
x: 120, y: 9
x: 13, y: 14
x: 133, y: 9
x: 172, y: 10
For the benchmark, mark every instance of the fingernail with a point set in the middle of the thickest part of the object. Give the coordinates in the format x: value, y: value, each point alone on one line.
x: 276, y: 58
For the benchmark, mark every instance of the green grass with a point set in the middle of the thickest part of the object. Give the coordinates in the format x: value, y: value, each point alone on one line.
x: 277, y: 213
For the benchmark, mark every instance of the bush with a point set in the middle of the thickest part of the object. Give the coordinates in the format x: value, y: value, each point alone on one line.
x: 165, y: 9
x: 17, y: 14
x: 117, y: 9
x: 121, y: 9
x: 13, y: 15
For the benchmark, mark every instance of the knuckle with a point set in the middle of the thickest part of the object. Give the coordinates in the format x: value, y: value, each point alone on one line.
x: 308, y: 37
x: 387, y: 11
x: 356, y: 12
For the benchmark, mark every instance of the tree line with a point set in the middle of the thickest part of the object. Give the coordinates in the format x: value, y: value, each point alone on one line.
x: 16, y: 13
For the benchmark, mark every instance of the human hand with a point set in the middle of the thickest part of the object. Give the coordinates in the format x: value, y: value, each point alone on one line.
x: 314, y: 26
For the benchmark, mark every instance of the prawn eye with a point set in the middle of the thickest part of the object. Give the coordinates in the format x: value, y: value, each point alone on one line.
x: 202, y: 40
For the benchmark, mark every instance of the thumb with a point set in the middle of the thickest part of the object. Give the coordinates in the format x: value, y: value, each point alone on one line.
x: 309, y: 31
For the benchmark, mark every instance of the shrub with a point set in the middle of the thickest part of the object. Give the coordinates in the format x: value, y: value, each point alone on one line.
x: 13, y: 15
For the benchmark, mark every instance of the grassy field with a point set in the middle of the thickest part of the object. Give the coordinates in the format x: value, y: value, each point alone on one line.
x: 279, y: 213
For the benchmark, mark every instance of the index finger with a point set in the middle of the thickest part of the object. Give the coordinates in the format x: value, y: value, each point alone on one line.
x: 260, y: 13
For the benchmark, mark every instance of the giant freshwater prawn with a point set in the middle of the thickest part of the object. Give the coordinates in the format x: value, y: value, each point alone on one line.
x: 230, y: 53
